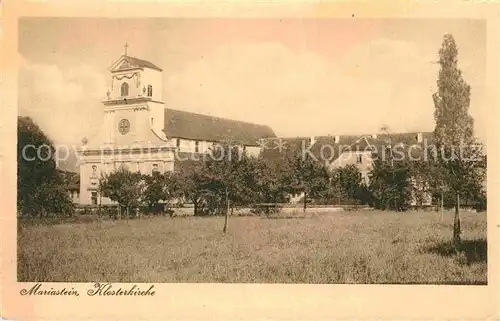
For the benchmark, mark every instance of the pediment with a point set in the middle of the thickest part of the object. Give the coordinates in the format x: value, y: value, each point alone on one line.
x: 123, y: 64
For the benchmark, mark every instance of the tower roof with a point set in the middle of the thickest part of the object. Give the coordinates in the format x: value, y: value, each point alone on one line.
x: 142, y: 63
x: 128, y: 62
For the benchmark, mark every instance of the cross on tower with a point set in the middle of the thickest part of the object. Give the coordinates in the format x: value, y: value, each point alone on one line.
x: 126, y: 47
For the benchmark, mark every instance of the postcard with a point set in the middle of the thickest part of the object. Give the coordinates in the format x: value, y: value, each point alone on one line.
x: 301, y: 160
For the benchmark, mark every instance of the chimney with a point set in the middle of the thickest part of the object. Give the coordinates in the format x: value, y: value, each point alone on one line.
x: 419, y: 137
x: 337, y: 139
x: 313, y: 140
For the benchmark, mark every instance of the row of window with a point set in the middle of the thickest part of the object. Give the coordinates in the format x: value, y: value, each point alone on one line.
x: 93, y: 181
x: 125, y: 90
x: 196, y: 145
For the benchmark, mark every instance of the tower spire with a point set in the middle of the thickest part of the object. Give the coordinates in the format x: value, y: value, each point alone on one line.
x: 126, y: 47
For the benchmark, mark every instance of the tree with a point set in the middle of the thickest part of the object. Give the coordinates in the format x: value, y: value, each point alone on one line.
x: 430, y: 180
x: 40, y: 186
x: 422, y: 175
x: 457, y: 154
x: 269, y: 187
x: 245, y: 182
x: 228, y: 174
x: 390, y: 184
x: 346, y: 186
x: 124, y: 187
x: 49, y: 198
x: 305, y: 175
x: 161, y: 187
x: 348, y: 179
x: 223, y: 179
x: 191, y: 182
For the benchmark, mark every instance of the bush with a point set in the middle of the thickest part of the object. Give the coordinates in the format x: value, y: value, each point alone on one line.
x: 390, y: 185
x: 336, y: 201
x: 448, y: 199
x: 364, y: 195
x: 266, y: 208
x: 48, y: 200
x: 109, y: 210
x: 156, y: 208
x: 480, y: 205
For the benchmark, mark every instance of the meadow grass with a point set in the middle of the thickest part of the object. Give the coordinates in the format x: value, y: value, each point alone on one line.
x: 336, y: 247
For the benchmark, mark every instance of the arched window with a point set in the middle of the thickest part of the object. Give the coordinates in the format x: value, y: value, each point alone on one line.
x: 150, y: 91
x: 124, y: 89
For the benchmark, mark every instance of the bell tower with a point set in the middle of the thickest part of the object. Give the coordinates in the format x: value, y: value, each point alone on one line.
x: 134, y: 119
x: 134, y: 103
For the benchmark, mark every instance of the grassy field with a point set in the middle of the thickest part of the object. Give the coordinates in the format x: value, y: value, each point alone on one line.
x: 336, y: 247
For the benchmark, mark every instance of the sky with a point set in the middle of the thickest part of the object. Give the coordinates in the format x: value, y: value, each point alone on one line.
x: 302, y: 77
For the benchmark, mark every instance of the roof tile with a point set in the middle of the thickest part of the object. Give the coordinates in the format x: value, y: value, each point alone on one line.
x: 142, y: 63
x: 194, y: 126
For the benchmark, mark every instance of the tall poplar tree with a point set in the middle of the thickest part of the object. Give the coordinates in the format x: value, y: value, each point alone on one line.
x: 457, y: 154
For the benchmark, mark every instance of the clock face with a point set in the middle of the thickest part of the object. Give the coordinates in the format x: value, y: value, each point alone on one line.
x: 124, y: 126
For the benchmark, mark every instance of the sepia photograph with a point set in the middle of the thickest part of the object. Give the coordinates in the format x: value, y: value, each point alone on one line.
x: 337, y: 150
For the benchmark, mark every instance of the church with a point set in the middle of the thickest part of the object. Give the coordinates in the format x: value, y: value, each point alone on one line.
x: 140, y: 133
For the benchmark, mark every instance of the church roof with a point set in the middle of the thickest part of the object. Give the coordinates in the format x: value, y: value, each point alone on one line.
x: 141, y: 63
x: 194, y: 126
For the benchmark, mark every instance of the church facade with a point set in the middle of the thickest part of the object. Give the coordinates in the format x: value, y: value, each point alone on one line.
x: 141, y: 134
